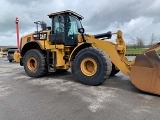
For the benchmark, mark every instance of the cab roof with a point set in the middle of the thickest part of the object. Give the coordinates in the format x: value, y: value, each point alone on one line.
x: 64, y: 12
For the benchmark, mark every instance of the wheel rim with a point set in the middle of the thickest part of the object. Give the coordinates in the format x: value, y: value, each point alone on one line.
x: 32, y: 64
x: 89, y: 66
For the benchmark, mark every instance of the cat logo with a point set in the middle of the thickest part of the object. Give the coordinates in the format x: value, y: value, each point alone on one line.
x: 40, y: 36
x: 43, y: 36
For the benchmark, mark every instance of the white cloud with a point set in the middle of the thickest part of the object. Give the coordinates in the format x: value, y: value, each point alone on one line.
x: 141, y: 27
x: 136, y: 18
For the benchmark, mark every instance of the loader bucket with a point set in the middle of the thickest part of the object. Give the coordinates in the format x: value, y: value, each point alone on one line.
x: 145, y: 72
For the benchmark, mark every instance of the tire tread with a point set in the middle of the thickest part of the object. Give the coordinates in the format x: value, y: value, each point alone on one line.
x: 106, y: 62
x: 41, y: 71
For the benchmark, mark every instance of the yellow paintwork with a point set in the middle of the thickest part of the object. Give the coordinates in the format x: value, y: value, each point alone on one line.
x: 60, y: 50
x: 16, y: 56
x: 23, y: 41
x: 115, y: 51
x: 64, y: 55
x: 89, y: 66
x: 32, y: 64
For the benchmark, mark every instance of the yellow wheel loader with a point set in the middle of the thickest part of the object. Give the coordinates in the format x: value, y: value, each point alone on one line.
x: 92, y: 58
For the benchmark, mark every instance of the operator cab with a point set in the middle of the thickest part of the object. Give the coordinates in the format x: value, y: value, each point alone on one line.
x: 65, y: 27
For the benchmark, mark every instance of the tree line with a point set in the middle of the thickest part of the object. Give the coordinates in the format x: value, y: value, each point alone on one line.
x: 140, y: 42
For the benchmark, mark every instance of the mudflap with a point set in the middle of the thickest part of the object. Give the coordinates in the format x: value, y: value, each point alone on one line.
x: 145, y: 73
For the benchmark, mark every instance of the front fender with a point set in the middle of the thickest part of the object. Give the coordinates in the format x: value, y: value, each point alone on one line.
x: 78, y: 48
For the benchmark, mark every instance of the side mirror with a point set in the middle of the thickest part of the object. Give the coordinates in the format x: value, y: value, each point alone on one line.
x: 81, y: 30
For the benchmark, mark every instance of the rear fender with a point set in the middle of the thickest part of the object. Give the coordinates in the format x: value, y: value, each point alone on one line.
x: 29, y: 46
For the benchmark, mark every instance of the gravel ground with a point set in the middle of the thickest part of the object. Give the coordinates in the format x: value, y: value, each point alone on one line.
x: 59, y: 96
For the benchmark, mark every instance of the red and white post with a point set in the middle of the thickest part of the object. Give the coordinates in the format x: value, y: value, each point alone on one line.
x: 17, y: 32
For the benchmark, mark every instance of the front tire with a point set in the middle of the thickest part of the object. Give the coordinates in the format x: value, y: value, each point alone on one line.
x: 34, y: 63
x: 114, y: 70
x: 92, y: 66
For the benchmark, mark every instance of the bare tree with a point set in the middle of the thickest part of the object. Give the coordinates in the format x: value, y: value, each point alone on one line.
x: 130, y: 43
x: 140, y: 43
x: 153, y: 39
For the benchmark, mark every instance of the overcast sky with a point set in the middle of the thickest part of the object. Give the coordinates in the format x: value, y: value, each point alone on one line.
x: 136, y: 18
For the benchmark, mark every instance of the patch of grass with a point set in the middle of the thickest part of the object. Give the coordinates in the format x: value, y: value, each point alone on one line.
x: 137, y: 51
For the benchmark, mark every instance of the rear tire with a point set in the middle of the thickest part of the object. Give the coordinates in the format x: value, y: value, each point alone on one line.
x: 92, y: 66
x: 34, y: 63
x: 71, y: 65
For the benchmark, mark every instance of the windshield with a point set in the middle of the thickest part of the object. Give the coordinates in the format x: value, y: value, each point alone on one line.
x: 74, y: 24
